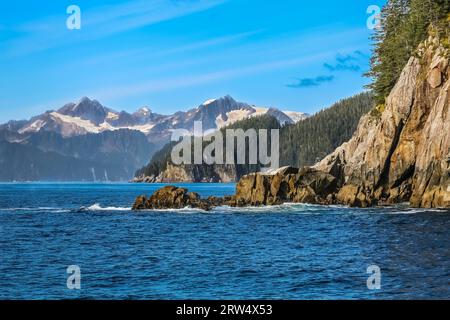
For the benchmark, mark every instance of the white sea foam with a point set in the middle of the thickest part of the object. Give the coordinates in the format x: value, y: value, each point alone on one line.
x: 292, y: 208
x: 283, y: 208
x: 312, y: 209
x: 418, y: 210
x: 181, y: 210
x: 98, y: 207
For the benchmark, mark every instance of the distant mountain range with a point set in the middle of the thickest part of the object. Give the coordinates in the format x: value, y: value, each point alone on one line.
x: 89, y: 116
x: 88, y: 141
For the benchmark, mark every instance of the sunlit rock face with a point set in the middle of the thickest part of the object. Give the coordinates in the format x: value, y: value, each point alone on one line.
x: 402, y: 153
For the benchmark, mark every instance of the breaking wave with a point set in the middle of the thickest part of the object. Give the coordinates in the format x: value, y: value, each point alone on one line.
x: 98, y: 207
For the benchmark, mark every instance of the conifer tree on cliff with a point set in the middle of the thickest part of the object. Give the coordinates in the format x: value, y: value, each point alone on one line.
x: 404, y: 24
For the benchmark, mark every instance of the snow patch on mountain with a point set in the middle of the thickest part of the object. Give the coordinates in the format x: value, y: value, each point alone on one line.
x: 76, y: 121
x: 208, y: 102
x: 296, y: 116
x: 33, y: 127
x: 89, y: 116
x: 112, y: 116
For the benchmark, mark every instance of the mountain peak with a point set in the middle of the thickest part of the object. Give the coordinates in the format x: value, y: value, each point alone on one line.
x: 91, y: 103
x: 90, y: 116
x: 226, y: 98
x: 85, y: 100
x: 86, y: 109
x: 209, y: 101
x: 145, y: 111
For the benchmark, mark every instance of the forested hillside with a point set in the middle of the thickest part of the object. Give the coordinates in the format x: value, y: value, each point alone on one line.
x: 310, y: 140
x: 301, y: 144
x: 161, y: 159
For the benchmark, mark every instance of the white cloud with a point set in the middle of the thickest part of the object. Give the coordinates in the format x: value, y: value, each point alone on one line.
x: 149, y: 51
x: 101, y: 22
x: 172, y: 83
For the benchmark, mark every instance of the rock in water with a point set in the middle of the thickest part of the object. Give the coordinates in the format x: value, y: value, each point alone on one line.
x: 285, y: 185
x: 171, y: 198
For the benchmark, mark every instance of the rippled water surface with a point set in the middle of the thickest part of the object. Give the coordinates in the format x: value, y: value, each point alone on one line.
x: 284, y: 252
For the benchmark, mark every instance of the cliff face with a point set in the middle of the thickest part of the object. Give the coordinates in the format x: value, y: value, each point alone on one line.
x: 286, y: 184
x: 401, y: 151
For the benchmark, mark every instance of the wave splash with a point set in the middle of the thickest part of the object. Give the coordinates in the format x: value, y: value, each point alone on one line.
x: 288, y: 208
x: 98, y: 207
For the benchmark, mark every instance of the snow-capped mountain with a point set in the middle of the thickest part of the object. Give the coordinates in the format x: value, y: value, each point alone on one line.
x: 90, y: 116
x: 88, y: 141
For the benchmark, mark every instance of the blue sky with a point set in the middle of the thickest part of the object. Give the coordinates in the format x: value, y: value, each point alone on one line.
x: 172, y: 55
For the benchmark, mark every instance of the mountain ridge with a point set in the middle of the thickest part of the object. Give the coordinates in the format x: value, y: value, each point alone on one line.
x: 86, y: 137
x: 90, y: 116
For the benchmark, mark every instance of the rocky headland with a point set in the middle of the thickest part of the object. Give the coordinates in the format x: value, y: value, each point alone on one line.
x: 399, y: 153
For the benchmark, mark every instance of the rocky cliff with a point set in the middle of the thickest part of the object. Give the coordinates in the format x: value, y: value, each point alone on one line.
x: 399, y: 153
x: 401, y: 150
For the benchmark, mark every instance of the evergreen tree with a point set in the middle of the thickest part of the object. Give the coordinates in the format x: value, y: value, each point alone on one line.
x: 404, y: 24
x: 310, y: 140
x: 390, y: 49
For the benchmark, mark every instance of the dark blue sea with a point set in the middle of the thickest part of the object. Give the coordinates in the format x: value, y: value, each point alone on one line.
x: 283, y: 252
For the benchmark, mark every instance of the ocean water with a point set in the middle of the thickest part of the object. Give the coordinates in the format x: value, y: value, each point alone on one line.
x: 283, y: 252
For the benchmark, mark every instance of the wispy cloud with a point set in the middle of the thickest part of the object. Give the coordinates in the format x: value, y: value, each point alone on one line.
x: 172, y: 83
x: 310, y: 82
x: 210, y: 42
x: 136, y: 14
x: 150, y: 52
x: 342, y: 67
x: 102, y: 21
x: 349, y: 62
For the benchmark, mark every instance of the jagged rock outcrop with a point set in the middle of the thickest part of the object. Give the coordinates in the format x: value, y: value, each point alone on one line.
x: 171, y: 197
x: 284, y: 185
x: 401, y: 153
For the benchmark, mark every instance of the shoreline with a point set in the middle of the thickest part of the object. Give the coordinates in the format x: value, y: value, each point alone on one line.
x: 285, y: 185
